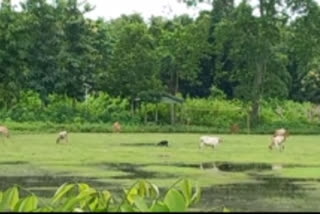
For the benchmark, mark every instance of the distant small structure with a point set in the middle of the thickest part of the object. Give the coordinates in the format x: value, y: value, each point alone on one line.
x: 116, y: 127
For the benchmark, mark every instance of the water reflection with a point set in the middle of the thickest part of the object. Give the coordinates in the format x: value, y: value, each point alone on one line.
x: 277, y: 166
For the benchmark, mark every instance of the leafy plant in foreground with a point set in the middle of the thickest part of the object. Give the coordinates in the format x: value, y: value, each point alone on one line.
x: 142, y: 196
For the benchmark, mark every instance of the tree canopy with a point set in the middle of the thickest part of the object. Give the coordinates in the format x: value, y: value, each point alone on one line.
x: 244, y: 52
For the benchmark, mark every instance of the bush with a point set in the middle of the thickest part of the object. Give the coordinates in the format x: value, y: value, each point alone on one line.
x: 100, y: 110
x: 213, y: 112
x: 29, y: 108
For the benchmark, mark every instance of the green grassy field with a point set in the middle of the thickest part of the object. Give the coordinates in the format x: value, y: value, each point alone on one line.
x: 238, y: 174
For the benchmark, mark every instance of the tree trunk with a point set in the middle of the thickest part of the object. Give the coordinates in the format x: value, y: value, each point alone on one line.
x: 176, y: 86
x: 132, y: 107
x: 146, y: 117
x: 256, y: 95
x: 156, y: 114
x: 172, y: 113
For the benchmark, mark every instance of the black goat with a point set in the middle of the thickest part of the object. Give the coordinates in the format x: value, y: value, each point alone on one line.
x: 163, y: 143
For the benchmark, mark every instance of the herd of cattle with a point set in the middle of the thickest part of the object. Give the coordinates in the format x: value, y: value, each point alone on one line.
x: 277, y: 140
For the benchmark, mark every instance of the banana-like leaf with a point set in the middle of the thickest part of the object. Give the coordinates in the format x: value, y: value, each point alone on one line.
x: 61, y: 191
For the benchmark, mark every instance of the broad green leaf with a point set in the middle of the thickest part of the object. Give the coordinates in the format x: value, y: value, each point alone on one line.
x: 83, y: 186
x: 140, y: 203
x: 93, y: 203
x: 104, y: 199
x: 186, y: 188
x: 142, y: 189
x: 159, y: 207
x: 28, y: 204
x: 44, y: 209
x: 155, y: 191
x: 196, y: 196
x: 126, y: 208
x: 69, y: 205
x: 175, y: 201
x: 10, y: 199
x: 16, y: 208
x: 131, y: 194
x: 62, y: 191
x: 78, y: 210
x: 226, y: 210
x: 106, y: 195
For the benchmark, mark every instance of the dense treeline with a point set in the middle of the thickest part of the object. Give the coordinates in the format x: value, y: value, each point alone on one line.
x: 231, y: 52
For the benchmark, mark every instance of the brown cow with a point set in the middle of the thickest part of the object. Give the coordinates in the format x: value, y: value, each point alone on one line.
x: 116, y: 127
x: 4, y: 131
x: 234, y: 129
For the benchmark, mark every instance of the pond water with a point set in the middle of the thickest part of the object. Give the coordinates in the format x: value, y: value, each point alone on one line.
x: 267, y: 193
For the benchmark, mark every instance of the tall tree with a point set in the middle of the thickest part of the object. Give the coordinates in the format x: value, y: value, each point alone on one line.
x: 303, y: 40
x: 256, y: 51
x: 134, y: 66
x: 13, y: 52
x: 182, y: 44
x: 65, y: 55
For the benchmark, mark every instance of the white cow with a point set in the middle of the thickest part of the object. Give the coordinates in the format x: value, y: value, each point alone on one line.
x: 62, y: 135
x: 210, y: 141
x: 277, y: 141
x: 281, y: 132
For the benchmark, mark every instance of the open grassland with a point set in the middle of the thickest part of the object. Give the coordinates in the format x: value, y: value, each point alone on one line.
x: 241, y: 174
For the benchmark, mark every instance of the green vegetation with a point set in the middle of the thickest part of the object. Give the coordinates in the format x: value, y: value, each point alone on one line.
x: 97, y: 113
x: 255, y: 66
x: 81, y: 197
x: 57, y: 65
x: 113, y: 161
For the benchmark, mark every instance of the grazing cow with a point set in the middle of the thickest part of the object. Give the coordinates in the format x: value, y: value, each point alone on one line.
x: 163, y: 143
x: 4, y: 131
x: 210, y: 141
x: 234, y: 129
x: 277, y: 141
x: 62, y: 136
x: 278, y: 138
x: 116, y: 127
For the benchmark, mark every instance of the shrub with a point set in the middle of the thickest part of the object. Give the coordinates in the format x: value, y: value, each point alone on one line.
x: 101, y: 110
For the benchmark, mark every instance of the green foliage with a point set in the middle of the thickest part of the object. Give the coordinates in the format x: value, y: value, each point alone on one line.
x: 99, y: 111
x: 63, y: 109
x: 134, y: 65
x: 214, y: 112
x: 53, y: 49
x: 217, y: 93
x: 287, y: 112
x: 142, y: 196
x: 28, y: 108
x: 311, y: 81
